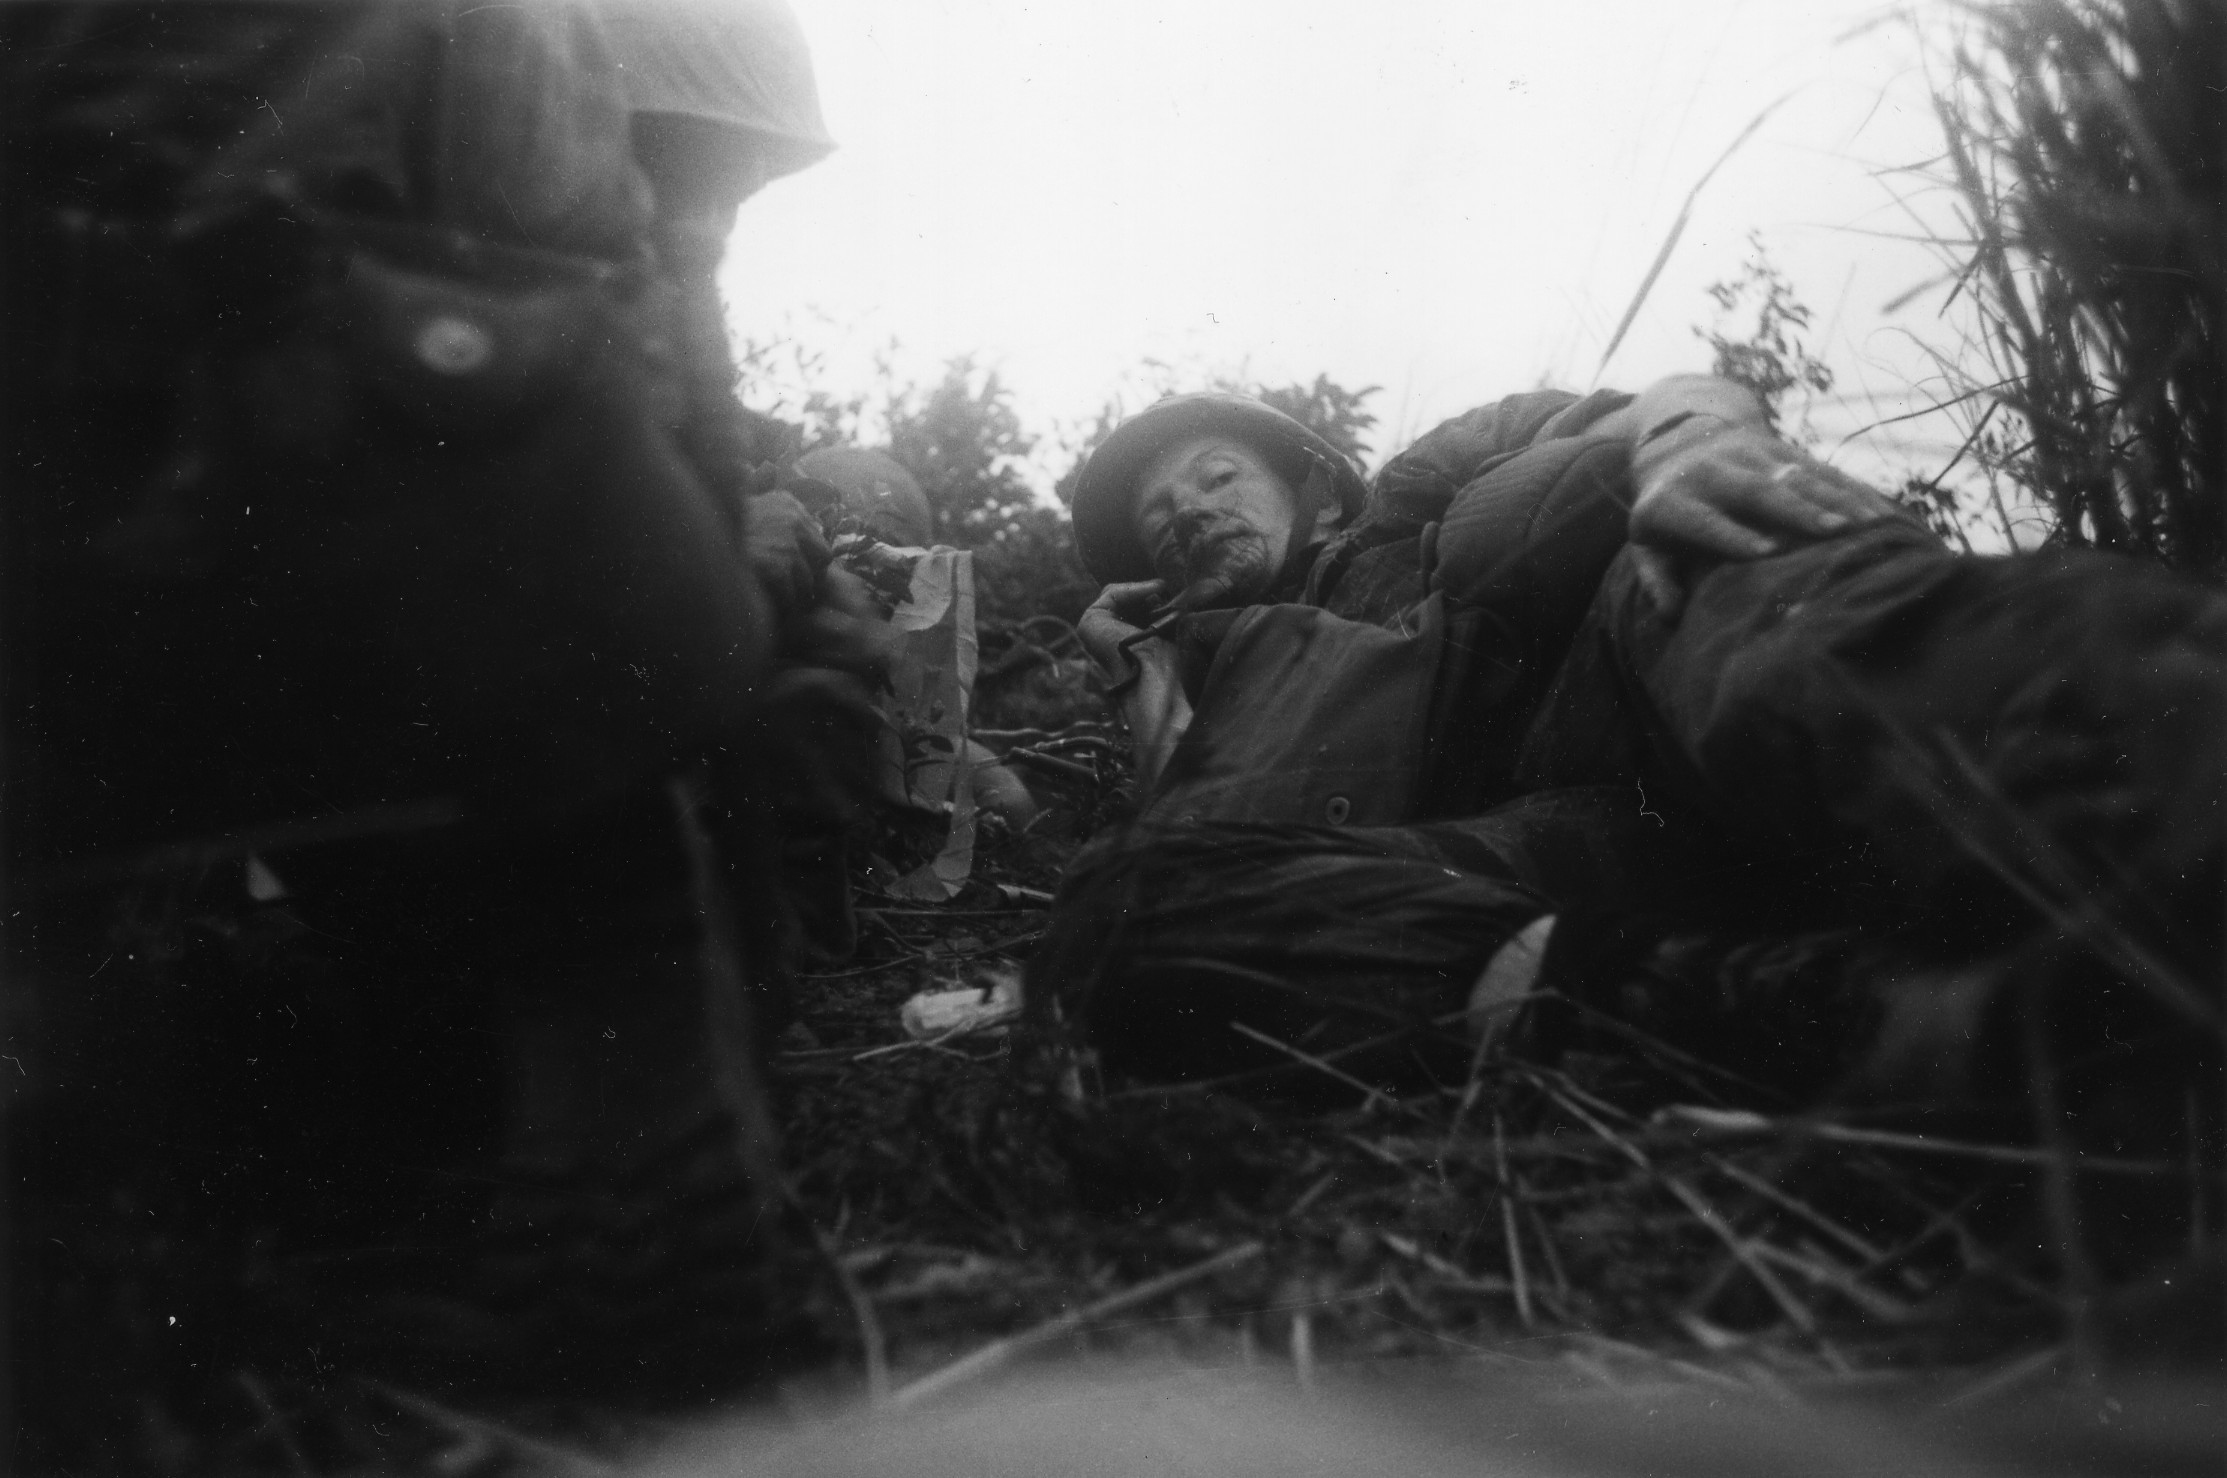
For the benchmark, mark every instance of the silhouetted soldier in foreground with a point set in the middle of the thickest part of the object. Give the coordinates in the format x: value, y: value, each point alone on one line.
x: 387, y: 666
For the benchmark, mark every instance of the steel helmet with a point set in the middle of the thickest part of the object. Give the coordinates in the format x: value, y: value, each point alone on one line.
x: 738, y: 65
x: 873, y: 486
x: 1106, y: 489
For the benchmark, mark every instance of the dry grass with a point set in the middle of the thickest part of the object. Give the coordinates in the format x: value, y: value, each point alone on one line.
x: 1612, y: 1210
x: 1622, y: 1215
x: 2086, y: 153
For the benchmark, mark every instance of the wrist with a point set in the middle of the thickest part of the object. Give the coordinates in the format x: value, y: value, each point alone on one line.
x: 1667, y: 443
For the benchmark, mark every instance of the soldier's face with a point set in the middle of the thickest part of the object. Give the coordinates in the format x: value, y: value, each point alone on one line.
x: 1210, y: 507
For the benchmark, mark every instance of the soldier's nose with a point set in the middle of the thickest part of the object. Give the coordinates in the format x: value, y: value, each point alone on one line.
x: 1191, y: 523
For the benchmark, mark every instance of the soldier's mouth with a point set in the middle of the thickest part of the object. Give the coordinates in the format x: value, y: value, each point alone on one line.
x: 1211, y: 544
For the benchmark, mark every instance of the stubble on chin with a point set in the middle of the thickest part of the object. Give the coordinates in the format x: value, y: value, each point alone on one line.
x: 1241, y: 565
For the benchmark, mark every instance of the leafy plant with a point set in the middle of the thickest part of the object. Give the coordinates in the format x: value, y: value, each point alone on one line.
x: 1029, y: 567
x: 1771, y: 356
x: 962, y: 439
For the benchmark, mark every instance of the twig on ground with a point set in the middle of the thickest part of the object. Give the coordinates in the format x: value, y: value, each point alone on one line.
x: 1687, y: 1368
x: 1508, y: 1230
x: 1378, y: 1153
x: 1794, y: 1309
x: 1799, y: 1207
x: 1311, y: 1194
x: 1797, y: 1312
x: 275, y: 1421
x: 1972, y: 1251
x: 1753, y: 1126
x: 1825, y: 1273
x: 564, y: 1460
x: 1053, y: 765
x: 873, y: 1345
x: 1546, y: 1245
x: 2076, y: 1274
x: 2007, y: 1379
x: 998, y: 1353
x: 1691, y: 1069
x: 995, y: 947
x: 857, y: 970
x: 946, y: 913
x: 1454, y: 1277
x: 1254, y: 1074
x: 1372, y: 1093
x: 912, y: 1044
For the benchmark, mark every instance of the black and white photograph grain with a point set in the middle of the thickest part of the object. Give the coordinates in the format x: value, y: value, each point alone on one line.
x: 1119, y: 738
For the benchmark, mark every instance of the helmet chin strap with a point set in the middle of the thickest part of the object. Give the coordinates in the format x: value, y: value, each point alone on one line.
x: 1314, y: 495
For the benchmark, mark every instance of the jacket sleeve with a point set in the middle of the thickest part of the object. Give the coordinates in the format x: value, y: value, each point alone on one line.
x: 1529, y: 536
x: 1421, y: 481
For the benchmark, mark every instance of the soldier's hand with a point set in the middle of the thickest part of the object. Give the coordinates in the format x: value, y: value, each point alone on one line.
x: 1115, y: 617
x: 786, y: 548
x: 844, y: 629
x: 1735, y: 492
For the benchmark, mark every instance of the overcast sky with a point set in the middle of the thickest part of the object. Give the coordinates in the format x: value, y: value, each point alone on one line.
x: 1453, y: 199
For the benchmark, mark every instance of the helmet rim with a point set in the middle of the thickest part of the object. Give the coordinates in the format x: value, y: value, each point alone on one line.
x: 1105, y: 489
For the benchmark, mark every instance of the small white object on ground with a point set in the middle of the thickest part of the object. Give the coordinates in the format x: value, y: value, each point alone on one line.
x: 947, y: 1013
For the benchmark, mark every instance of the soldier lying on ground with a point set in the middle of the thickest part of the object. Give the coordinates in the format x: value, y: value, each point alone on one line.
x: 1613, y: 654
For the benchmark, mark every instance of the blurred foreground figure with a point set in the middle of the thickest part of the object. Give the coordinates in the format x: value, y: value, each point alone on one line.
x: 722, y: 102
x: 1625, y: 656
x: 389, y: 671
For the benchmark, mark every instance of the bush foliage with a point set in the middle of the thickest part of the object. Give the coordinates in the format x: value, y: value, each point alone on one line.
x: 963, y: 438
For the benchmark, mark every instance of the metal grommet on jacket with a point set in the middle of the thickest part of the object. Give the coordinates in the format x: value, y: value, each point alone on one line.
x: 1336, y: 810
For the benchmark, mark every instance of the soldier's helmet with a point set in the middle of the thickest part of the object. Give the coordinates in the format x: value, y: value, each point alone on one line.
x: 1106, y: 489
x: 872, y: 487
x: 734, y: 77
